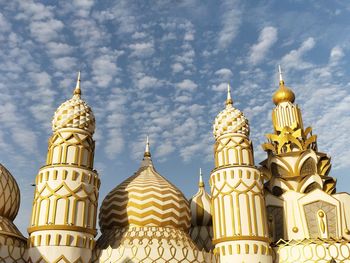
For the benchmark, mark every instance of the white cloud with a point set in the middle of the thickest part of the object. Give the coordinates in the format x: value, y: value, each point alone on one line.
x: 146, y: 82
x: 337, y: 54
x: 45, y: 31
x: 177, y: 67
x: 224, y: 74
x: 104, y: 69
x: 231, y: 21
x: 294, y: 59
x: 187, y: 85
x: 267, y: 37
x: 142, y: 49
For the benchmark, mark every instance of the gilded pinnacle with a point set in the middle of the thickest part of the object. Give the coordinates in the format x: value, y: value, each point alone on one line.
x: 280, y: 75
x: 77, y: 90
x: 229, y: 99
x: 147, y: 150
x: 201, y: 183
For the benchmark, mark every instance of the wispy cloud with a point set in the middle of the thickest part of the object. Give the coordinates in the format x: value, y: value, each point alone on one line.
x: 267, y: 37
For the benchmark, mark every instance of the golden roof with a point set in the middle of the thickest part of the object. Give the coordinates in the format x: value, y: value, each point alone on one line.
x: 9, y: 194
x: 283, y: 93
x: 230, y: 120
x: 74, y: 113
x: 145, y: 199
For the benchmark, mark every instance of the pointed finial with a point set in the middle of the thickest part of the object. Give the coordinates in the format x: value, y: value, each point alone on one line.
x: 77, y: 90
x: 201, y: 183
x: 147, y: 150
x: 229, y: 99
x: 280, y: 75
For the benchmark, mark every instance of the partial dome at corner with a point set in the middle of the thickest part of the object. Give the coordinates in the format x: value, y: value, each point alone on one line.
x: 9, y: 194
x: 74, y: 113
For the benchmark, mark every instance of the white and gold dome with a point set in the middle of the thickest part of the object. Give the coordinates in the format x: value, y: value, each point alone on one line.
x: 230, y: 120
x: 146, y: 219
x: 74, y: 113
x: 145, y: 199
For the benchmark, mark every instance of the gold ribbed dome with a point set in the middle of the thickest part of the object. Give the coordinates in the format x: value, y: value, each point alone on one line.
x: 9, y: 194
x: 200, y: 206
x: 283, y: 93
x: 230, y: 120
x: 74, y: 113
x: 145, y: 199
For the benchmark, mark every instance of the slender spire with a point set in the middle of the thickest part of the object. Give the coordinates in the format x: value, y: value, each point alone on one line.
x: 77, y: 90
x: 147, y: 150
x: 229, y: 99
x: 201, y: 183
x: 280, y: 75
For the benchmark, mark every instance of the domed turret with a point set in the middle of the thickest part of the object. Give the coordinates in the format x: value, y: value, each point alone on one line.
x: 283, y: 93
x: 201, y: 230
x: 230, y: 120
x: 145, y: 199
x: 74, y: 113
x: 200, y: 205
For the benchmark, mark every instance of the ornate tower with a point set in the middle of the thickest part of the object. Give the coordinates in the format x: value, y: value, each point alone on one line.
x: 238, y: 206
x: 308, y: 221
x: 62, y: 226
x: 201, y: 230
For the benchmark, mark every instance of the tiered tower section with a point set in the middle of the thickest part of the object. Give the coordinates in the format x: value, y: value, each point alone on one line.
x: 63, y: 220
x: 238, y: 206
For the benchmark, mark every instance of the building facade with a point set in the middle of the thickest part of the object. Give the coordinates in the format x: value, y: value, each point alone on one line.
x: 285, y: 210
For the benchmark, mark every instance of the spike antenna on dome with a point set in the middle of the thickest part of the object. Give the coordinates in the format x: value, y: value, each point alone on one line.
x: 201, y: 183
x: 77, y: 90
x: 280, y: 75
x: 229, y: 99
x: 147, y: 150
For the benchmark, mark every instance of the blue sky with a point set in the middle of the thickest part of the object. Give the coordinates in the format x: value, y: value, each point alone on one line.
x: 161, y: 68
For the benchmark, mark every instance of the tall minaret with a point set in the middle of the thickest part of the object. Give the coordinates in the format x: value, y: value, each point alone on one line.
x: 63, y: 223
x: 238, y: 205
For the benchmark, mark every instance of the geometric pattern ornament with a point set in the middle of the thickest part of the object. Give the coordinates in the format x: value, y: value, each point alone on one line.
x: 9, y: 194
x: 74, y: 113
x: 230, y: 120
x: 145, y: 199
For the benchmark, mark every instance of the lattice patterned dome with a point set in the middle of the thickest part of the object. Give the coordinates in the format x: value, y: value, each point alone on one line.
x: 230, y: 120
x: 74, y: 113
x: 9, y: 194
x: 145, y: 199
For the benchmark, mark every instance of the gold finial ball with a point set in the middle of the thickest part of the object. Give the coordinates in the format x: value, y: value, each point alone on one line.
x: 283, y: 94
x: 295, y: 229
x: 321, y: 214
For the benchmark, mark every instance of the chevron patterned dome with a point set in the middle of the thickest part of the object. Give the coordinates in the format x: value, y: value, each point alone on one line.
x: 74, y: 113
x: 230, y: 120
x: 145, y: 199
x: 9, y: 195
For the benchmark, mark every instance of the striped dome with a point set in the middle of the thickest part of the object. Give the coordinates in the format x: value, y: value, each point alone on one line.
x: 9, y: 194
x: 145, y: 199
x: 200, y: 207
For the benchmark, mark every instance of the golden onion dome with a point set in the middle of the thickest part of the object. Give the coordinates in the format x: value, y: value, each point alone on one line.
x: 74, y: 113
x: 200, y: 205
x: 9, y: 195
x: 145, y: 199
x: 283, y: 93
x: 230, y: 120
